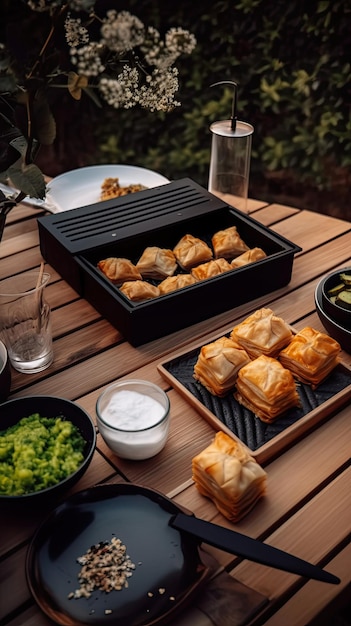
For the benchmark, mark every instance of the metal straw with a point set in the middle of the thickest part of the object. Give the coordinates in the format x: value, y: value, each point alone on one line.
x: 234, y: 102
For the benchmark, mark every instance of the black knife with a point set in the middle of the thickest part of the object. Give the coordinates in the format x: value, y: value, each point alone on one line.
x: 252, y: 549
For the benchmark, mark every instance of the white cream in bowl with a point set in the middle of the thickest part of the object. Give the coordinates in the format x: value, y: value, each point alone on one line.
x: 133, y: 418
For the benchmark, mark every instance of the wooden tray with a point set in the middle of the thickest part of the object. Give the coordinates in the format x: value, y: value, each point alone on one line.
x: 264, y: 441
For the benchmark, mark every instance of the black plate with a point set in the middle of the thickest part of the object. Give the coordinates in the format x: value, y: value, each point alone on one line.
x: 164, y: 557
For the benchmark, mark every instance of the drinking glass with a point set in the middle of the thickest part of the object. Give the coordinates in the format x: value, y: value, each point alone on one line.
x: 5, y: 373
x: 230, y: 162
x: 25, y: 321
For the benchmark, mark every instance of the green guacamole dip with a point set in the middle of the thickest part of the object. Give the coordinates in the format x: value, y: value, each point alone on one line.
x: 37, y: 453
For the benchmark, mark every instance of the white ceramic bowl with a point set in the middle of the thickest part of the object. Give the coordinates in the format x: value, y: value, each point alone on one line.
x: 133, y: 418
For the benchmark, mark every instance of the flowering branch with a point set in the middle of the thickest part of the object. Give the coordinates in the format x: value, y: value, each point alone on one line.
x: 113, y: 58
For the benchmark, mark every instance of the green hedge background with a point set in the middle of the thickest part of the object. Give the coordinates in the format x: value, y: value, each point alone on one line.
x: 291, y: 62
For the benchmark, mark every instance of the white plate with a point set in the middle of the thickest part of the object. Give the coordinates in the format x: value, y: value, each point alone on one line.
x: 82, y: 186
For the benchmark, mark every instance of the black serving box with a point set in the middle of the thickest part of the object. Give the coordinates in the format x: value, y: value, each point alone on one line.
x: 74, y: 242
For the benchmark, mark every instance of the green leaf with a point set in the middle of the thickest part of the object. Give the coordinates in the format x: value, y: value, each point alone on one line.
x: 75, y: 84
x: 20, y: 144
x: 7, y: 83
x: 28, y: 179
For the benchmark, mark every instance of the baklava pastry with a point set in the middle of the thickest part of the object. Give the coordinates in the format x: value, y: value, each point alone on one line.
x: 111, y: 188
x: 139, y: 290
x: 172, y: 283
x: 266, y: 388
x: 228, y: 244
x: 156, y: 263
x: 250, y: 256
x: 263, y: 332
x: 210, y: 269
x: 226, y: 473
x: 218, y: 365
x: 118, y: 270
x: 191, y: 251
x: 311, y: 356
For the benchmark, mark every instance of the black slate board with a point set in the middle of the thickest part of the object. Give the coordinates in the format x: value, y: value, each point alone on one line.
x: 242, y: 423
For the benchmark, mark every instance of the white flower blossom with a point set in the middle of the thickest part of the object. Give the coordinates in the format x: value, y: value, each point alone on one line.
x: 121, y: 92
x: 158, y: 93
x: 122, y: 31
x: 130, y: 64
x: 87, y: 59
x: 179, y: 41
x: 76, y: 34
x: 163, y: 54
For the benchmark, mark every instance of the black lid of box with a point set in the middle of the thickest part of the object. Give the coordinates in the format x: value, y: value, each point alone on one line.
x: 102, y: 223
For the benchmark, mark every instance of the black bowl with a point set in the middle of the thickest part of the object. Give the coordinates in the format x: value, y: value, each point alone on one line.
x: 50, y: 406
x: 335, y: 330
x: 336, y: 312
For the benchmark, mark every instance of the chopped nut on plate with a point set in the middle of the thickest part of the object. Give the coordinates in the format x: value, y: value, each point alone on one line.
x: 105, y: 566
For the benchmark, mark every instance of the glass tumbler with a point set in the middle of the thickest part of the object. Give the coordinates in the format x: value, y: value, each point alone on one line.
x: 25, y: 325
x: 230, y: 162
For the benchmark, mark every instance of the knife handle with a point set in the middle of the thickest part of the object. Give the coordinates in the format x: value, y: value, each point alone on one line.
x: 249, y: 548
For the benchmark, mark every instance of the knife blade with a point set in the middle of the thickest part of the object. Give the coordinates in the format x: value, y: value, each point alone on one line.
x: 249, y: 548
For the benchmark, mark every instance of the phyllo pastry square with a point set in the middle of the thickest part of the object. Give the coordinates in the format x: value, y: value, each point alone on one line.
x: 227, y: 474
x: 228, y: 244
x: 266, y: 388
x: 218, y: 365
x: 139, y: 290
x: 210, y: 269
x: 157, y: 263
x: 263, y: 332
x: 118, y: 270
x: 250, y: 256
x: 311, y: 356
x: 172, y: 283
x: 191, y: 251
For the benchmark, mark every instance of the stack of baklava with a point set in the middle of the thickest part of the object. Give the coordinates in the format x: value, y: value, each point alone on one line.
x: 262, y: 362
x: 227, y: 474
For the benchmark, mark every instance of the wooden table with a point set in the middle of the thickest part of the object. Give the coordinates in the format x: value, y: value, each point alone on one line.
x: 307, y: 510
